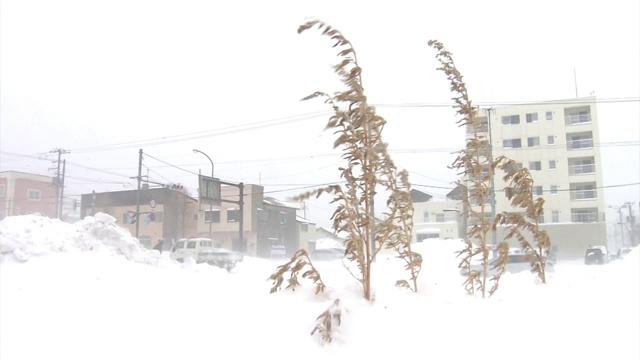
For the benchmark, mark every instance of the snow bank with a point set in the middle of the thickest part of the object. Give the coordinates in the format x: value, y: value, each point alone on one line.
x: 26, y: 236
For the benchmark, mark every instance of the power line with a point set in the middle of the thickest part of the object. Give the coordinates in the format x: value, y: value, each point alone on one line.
x: 515, y: 103
x: 206, y: 133
x: 308, y: 116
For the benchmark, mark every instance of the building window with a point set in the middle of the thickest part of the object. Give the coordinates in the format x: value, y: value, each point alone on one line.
x: 440, y: 218
x: 233, y: 215
x: 537, y: 190
x: 33, y: 195
x: 533, y: 117
x: 554, y: 189
x: 2, y: 190
x: 512, y: 143
x: 533, y: 141
x: 513, y: 166
x: 588, y: 215
x: 535, y: 165
x: 511, y: 120
x: 549, y: 115
x: 580, y: 141
x: 579, y: 117
x: 304, y: 227
x: 555, y: 216
x: 582, y: 166
x: 422, y: 237
x: 541, y: 219
x: 552, y: 164
x: 283, y: 218
x: 551, y: 139
x: 425, y: 216
x: 583, y: 191
x: 212, y: 216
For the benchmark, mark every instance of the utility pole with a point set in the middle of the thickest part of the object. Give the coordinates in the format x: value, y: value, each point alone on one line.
x: 621, y: 228
x: 632, y: 225
x: 492, y: 192
x: 64, y: 165
x: 139, y: 177
x: 57, y: 179
x: 242, y: 244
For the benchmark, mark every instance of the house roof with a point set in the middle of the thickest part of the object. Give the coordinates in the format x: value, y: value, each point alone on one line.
x: 276, y: 202
x: 419, y: 196
x: 303, y: 220
x: 456, y: 193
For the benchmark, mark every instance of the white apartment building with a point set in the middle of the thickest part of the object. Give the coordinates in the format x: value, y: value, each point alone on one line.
x: 558, y: 141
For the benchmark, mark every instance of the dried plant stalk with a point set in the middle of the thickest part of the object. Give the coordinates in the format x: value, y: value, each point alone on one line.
x: 499, y: 264
x: 519, y: 192
x: 474, y: 165
x: 326, y: 321
x: 368, y: 165
x: 297, y: 263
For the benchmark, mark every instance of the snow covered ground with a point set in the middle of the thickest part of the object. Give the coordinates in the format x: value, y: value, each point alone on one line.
x: 89, y: 291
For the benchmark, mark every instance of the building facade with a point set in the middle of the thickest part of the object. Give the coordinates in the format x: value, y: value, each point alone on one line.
x: 558, y: 141
x: 23, y: 193
x: 269, y: 227
x: 437, y: 219
x: 163, y: 213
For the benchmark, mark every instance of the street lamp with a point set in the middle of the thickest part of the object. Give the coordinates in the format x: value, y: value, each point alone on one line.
x: 211, y: 202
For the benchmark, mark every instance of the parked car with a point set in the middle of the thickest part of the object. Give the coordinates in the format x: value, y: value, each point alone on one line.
x: 519, y: 261
x: 596, y: 255
x: 204, y: 250
x: 327, y: 254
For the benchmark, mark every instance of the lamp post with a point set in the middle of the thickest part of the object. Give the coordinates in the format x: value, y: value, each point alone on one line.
x: 211, y: 202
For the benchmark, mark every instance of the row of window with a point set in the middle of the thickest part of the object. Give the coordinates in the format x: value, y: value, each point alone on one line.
x: 577, y: 117
x: 530, y: 118
x: 585, y: 215
x: 575, y: 142
x: 576, y: 166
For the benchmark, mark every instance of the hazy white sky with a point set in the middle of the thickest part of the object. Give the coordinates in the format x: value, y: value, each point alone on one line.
x: 105, y: 79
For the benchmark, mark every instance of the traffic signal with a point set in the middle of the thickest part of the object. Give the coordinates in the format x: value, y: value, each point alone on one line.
x: 132, y: 218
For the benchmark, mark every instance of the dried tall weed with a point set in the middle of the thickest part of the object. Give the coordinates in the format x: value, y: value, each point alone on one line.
x: 298, y: 262
x: 328, y: 320
x: 472, y: 164
x: 368, y: 164
x: 519, y: 192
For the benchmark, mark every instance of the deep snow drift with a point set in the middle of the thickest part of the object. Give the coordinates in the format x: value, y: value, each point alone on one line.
x: 89, y: 291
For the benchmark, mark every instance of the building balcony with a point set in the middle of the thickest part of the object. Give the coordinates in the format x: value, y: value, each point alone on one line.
x: 582, y: 169
x: 579, y: 144
x: 577, y: 115
x: 577, y: 119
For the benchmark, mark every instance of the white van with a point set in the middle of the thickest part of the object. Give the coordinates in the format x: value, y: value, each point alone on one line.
x: 204, y: 250
x: 184, y: 248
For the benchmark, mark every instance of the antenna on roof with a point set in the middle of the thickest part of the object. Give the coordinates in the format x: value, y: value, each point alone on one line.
x: 575, y: 80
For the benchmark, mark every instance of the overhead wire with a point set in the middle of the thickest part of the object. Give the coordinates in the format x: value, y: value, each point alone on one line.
x: 308, y: 116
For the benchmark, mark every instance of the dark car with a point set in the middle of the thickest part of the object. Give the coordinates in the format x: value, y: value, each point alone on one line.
x: 594, y: 256
x: 327, y: 254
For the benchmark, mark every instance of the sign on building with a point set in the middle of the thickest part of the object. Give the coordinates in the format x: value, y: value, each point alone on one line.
x: 209, y: 190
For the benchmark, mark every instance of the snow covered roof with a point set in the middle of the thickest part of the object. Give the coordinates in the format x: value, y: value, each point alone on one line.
x: 303, y: 220
x: 276, y: 202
